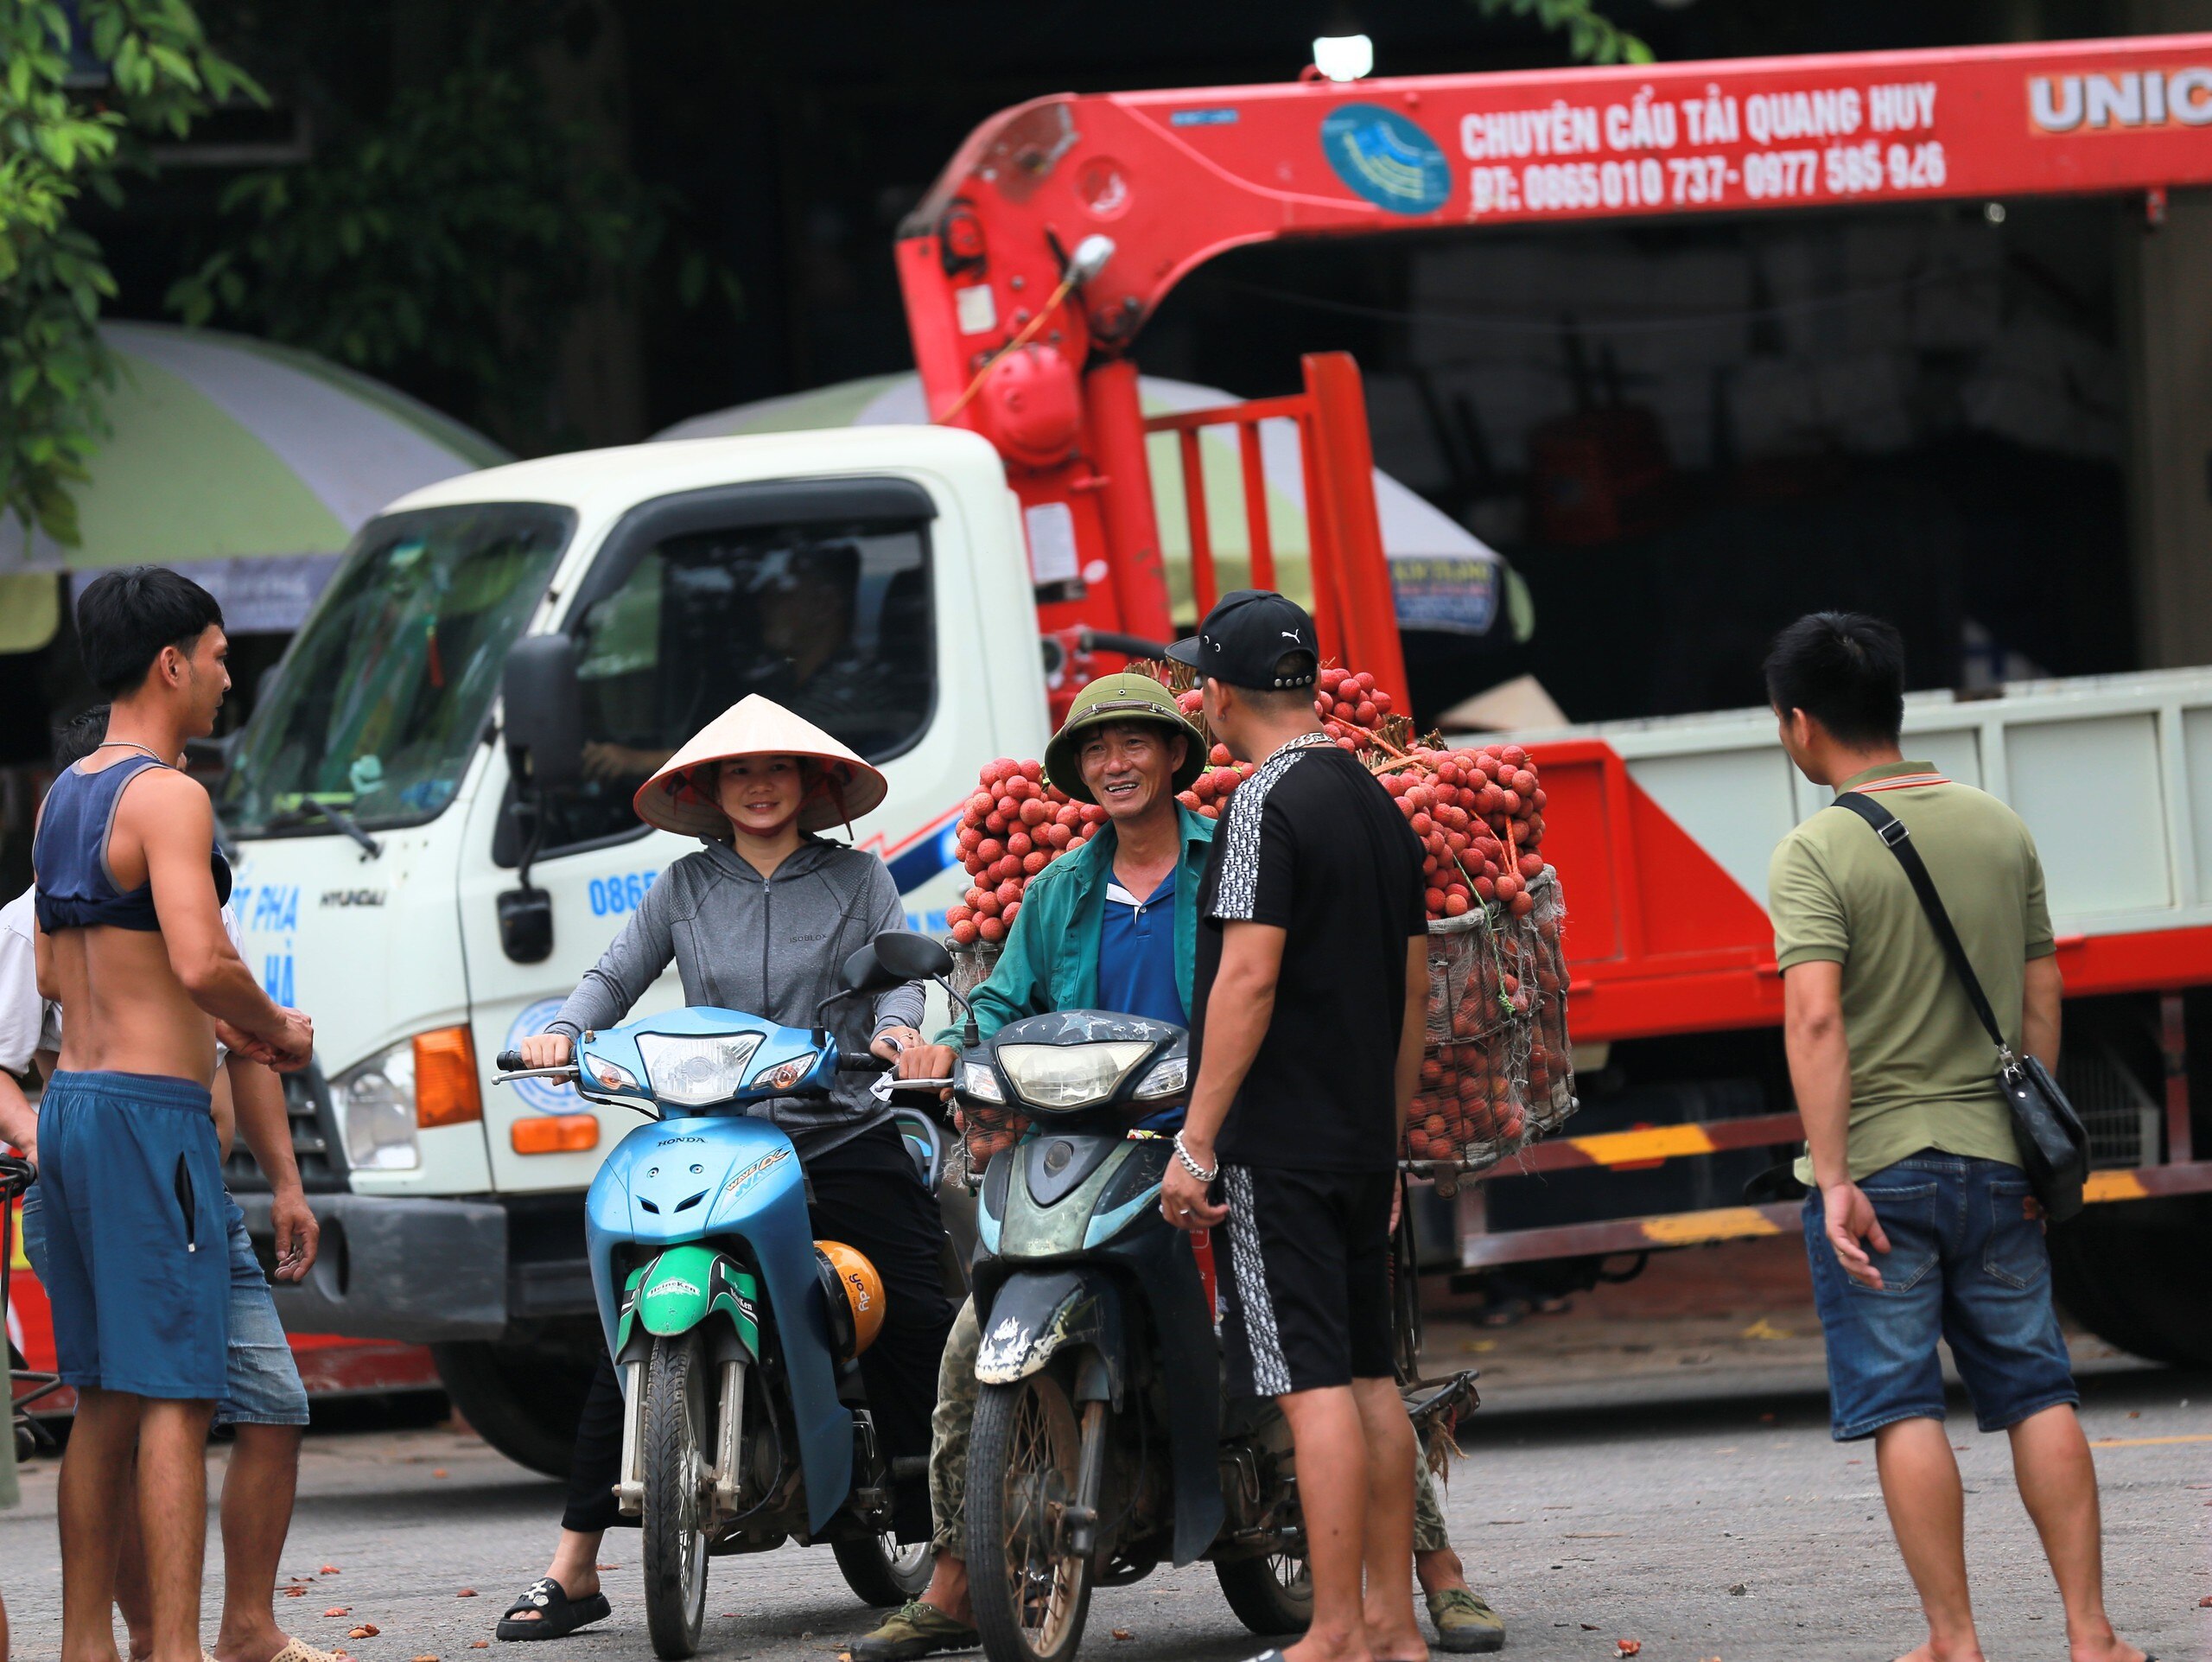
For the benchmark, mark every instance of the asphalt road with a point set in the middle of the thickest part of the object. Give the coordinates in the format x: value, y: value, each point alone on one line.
x: 1711, y: 1525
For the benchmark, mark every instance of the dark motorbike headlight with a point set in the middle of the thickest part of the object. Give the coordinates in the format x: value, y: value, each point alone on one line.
x: 1166, y: 1078
x: 1070, y: 1076
x: 697, y: 1073
x: 977, y: 1080
x: 784, y: 1076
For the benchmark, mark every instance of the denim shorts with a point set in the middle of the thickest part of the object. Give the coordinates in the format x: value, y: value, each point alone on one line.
x: 262, y: 1380
x: 1967, y: 1264
x: 136, y: 1264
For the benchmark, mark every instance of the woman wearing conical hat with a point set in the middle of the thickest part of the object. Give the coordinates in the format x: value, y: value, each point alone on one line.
x: 760, y: 919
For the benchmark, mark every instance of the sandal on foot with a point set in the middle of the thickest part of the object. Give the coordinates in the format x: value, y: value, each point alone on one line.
x: 558, y: 1616
x: 1463, y: 1622
x: 295, y: 1651
x: 914, y: 1630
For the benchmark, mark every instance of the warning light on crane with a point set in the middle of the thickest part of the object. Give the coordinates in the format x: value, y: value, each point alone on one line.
x: 1343, y: 57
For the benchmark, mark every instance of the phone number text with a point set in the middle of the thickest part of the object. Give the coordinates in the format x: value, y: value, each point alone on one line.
x: 1839, y: 170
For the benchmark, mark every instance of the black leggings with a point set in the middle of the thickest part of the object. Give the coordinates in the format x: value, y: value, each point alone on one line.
x: 867, y: 1195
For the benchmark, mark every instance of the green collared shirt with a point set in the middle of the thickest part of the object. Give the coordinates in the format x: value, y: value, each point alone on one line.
x: 1051, y: 957
x: 1923, y: 1073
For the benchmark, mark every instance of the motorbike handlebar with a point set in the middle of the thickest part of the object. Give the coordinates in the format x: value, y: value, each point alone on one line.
x: 863, y: 1063
x: 509, y: 1061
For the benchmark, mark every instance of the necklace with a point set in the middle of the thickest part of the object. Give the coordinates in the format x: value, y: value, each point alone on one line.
x: 129, y: 744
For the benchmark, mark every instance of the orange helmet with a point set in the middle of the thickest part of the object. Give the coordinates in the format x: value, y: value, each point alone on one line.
x: 856, y: 1304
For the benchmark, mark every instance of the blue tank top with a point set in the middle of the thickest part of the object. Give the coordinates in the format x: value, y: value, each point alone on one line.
x: 75, y: 888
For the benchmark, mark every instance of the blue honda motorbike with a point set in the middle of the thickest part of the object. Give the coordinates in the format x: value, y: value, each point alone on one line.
x: 735, y: 1336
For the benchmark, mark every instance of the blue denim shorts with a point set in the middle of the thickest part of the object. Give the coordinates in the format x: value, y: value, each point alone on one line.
x: 1967, y: 1264
x: 262, y: 1380
x: 136, y: 1262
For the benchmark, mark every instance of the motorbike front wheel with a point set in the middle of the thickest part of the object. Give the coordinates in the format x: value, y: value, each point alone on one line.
x: 882, y: 1572
x: 674, y: 1452
x: 1024, y: 1454
x: 1271, y: 1595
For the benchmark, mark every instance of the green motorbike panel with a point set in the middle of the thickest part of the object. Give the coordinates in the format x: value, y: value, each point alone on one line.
x: 682, y: 1287
x: 1030, y: 1231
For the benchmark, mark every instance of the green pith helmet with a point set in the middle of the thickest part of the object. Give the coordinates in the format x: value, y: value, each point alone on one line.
x: 1125, y: 697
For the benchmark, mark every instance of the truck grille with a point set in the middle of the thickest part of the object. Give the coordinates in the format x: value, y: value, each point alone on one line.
x: 2121, y: 1117
x: 314, y: 1140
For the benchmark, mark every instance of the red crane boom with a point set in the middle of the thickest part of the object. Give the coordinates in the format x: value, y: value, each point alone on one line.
x: 1023, y: 340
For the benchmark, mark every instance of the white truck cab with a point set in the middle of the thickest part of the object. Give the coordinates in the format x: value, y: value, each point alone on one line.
x: 875, y: 580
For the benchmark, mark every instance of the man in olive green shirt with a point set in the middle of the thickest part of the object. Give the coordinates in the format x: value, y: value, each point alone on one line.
x: 1920, y: 1224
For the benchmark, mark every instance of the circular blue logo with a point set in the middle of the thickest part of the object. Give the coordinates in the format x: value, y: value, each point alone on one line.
x: 1386, y: 158
x: 544, y: 1095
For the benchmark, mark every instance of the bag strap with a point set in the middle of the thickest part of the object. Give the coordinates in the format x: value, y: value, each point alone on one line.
x: 1898, y: 840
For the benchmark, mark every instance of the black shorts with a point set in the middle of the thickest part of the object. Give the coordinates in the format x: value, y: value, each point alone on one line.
x: 1304, y: 1261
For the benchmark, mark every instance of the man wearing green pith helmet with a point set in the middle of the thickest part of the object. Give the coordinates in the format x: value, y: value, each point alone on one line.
x: 1110, y: 926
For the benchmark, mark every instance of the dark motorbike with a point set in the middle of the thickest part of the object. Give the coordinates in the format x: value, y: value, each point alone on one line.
x: 1102, y: 1444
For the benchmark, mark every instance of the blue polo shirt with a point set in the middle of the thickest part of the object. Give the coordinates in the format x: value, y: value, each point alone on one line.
x: 1136, y: 962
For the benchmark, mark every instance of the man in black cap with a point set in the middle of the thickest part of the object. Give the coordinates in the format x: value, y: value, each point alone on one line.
x: 1310, y: 995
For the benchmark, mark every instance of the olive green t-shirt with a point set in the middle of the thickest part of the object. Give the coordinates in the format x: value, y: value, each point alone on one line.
x: 1923, y: 1072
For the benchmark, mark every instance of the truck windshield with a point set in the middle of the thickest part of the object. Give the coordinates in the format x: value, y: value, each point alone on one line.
x: 378, y: 705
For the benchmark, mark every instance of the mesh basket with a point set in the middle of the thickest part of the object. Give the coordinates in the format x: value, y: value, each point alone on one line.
x: 984, y: 1129
x: 1551, y: 1058
x: 1496, y: 1073
x: 972, y: 965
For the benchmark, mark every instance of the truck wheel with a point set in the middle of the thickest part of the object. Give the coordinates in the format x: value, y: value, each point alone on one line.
x: 1024, y: 1457
x: 882, y: 1572
x: 524, y: 1402
x: 2111, y: 1269
x: 674, y: 1447
x: 1271, y: 1596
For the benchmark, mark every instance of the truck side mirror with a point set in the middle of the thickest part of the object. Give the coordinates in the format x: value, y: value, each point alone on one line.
x: 545, y: 750
x: 544, y: 712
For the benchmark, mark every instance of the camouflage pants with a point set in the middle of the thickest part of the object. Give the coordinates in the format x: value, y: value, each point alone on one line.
x: 955, y: 1415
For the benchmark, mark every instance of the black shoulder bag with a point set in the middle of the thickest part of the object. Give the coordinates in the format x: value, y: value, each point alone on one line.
x: 2054, y: 1146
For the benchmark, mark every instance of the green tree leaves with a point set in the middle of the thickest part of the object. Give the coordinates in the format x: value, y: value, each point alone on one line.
x: 56, y: 145
x: 458, y: 235
x: 1590, y: 37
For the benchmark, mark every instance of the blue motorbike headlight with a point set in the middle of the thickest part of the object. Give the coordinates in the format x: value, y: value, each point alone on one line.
x: 786, y: 1076
x: 697, y: 1073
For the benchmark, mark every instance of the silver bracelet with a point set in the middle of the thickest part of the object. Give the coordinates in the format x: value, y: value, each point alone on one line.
x: 1191, y: 1166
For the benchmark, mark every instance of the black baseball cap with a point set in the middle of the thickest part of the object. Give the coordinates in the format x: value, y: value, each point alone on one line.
x: 1244, y: 638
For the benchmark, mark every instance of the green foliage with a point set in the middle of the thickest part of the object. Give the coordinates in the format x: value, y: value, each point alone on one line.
x: 451, y: 242
x: 55, y: 146
x: 1592, y: 38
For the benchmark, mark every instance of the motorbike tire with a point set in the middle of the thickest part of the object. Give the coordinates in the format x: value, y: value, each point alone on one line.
x: 1023, y: 1456
x: 674, y: 1447
x: 882, y: 1573
x: 524, y: 1402
x: 1271, y: 1596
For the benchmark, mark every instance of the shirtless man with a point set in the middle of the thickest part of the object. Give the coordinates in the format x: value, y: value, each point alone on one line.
x: 131, y: 943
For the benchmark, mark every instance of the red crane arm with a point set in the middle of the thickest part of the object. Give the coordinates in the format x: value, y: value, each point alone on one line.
x: 1175, y: 177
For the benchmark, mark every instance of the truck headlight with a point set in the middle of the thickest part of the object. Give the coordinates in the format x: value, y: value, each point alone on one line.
x: 376, y: 1102
x: 1069, y: 1076
x: 696, y: 1073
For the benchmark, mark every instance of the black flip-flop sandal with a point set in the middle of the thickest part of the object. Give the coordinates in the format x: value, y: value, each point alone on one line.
x: 558, y: 1616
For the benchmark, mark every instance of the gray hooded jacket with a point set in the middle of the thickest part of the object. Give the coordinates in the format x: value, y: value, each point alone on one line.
x: 768, y: 947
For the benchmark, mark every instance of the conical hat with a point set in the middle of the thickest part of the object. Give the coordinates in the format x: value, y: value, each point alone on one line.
x: 846, y: 787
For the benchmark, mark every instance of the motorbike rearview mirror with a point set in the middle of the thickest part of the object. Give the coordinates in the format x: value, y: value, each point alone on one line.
x: 544, y: 712
x: 897, y: 955
x: 901, y: 955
